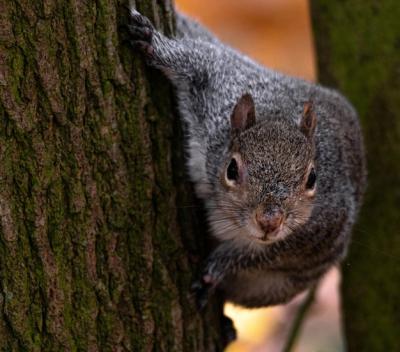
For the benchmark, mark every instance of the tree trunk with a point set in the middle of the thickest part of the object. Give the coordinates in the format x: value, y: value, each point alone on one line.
x: 95, y: 238
x: 358, y: 46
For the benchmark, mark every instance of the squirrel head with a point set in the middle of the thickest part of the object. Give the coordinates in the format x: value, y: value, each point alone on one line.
x: 267, y: 185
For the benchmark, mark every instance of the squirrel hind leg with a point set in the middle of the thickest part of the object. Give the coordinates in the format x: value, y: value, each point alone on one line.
x: 228, y: 330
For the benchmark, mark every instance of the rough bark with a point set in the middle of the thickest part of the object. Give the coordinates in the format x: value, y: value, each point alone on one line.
x: 95, y: 238
x: 358, y: 49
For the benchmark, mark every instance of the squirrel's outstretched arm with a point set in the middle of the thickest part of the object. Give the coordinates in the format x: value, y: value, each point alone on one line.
x: 198, y: 69
x: 182, y: 60
x: 198, y: 65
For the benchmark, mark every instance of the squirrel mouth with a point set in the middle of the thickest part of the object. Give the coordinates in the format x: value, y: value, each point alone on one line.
x: 256, y: 233
x: 271, y: 236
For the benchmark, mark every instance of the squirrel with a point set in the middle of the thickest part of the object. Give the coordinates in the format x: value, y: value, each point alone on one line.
x: 278, y: 162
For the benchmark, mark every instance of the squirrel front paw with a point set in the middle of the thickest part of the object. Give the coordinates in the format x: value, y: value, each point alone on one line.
x: 142, y: 31
x: 202, y: 290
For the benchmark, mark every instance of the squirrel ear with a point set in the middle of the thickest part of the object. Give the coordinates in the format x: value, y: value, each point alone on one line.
x: 308, y: 120
x: 244, y: 114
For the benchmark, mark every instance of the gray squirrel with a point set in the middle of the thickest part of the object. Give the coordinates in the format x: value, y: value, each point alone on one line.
x: 278, y: 162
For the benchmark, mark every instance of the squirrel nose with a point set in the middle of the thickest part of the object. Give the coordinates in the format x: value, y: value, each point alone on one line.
x: 269, y: 221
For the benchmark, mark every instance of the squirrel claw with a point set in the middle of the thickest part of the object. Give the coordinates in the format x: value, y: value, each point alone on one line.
x: 201, y: 291
x: 141, y: 31
x: 139, y: 20
x: 143, y: 46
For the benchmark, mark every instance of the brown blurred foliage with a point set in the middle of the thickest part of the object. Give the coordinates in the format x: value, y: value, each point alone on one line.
x: 277, y: 33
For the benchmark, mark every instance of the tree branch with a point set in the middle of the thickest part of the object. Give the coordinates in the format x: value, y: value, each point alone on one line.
x: 299, y: 319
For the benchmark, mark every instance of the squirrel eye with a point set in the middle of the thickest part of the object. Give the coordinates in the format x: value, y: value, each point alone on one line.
x: 232, y: 171
x: 312, y: 177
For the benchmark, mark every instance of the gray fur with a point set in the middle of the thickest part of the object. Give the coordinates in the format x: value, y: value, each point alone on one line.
x: 209, y: 78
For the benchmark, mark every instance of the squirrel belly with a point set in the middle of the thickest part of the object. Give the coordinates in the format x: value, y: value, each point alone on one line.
x: 278, y: 162
x: 255, y: 289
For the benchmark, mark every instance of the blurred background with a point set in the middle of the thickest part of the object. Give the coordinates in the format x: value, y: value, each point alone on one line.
x: 276, y: 33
